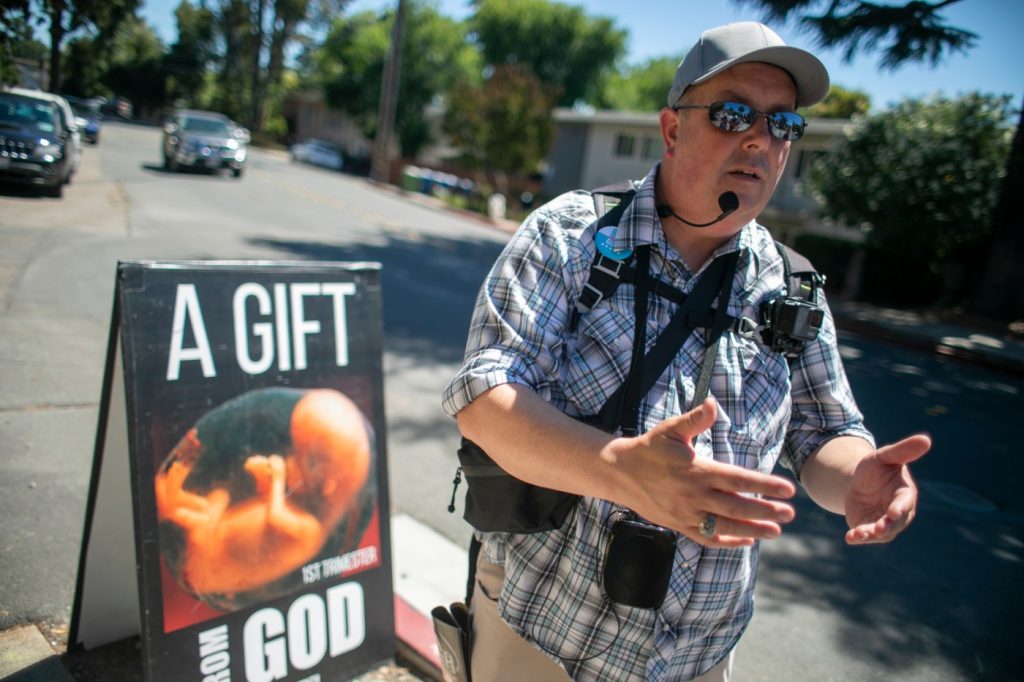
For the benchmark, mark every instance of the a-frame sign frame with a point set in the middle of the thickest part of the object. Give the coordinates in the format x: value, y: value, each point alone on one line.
x: 237, y: 515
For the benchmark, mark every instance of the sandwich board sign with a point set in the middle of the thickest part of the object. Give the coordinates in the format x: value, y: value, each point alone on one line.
x: 238, y: 508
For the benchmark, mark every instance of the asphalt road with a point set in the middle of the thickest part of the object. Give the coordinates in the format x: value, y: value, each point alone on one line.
x: 940, y: 604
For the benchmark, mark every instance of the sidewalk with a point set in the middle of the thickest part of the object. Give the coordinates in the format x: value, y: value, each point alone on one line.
x: 955, y: 335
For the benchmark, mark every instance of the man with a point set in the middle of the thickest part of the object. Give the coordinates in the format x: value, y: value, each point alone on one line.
x: 702, y: 470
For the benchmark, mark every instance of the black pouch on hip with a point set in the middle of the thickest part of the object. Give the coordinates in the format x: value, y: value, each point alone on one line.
x: 497, y: 501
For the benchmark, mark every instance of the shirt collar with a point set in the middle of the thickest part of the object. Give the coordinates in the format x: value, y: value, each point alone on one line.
x: 641, y: 225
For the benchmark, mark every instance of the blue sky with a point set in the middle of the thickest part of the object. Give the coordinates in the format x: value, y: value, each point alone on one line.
x: 664, y: 27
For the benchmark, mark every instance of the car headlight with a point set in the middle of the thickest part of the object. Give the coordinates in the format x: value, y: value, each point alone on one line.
x: 46, y: 152
x: 240, y: 155
x: 231, y: 144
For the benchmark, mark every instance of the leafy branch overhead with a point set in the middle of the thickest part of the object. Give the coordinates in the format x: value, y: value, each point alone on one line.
x: 912, y: 32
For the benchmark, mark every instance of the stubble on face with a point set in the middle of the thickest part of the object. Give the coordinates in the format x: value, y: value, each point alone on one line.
x: 702, y: 162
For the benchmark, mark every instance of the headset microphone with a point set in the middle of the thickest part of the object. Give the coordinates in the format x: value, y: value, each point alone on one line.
x: 727, y: 201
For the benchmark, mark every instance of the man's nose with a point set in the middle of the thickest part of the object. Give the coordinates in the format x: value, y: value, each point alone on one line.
x: 759, y: 135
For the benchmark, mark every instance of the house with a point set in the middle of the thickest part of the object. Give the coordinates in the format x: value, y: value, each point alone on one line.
x: 598, y: 148
x: 308, y: 116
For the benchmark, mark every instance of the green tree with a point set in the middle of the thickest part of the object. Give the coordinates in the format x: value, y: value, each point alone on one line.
x: 66, y: 19
x: 231, y: 90
x: 15, y: 30
x: 569, y: 51
x: 925, y: 176
x: 840, y: 103
x: 128, y: 63
x: 86, y: 63
x: 916, y: 32
x: 510, y: 105
x: 187, y: 61
x: 640, y: 88
x: 349, y: 66
x: 255, y: 37
x: 135, y: 70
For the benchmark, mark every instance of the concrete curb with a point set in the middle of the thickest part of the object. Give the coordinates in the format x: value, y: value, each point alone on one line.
x: 1001, y: 352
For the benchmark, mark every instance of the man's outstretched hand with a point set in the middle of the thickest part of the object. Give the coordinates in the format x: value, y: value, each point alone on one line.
x: 883, y: 496
x: 677, y: 489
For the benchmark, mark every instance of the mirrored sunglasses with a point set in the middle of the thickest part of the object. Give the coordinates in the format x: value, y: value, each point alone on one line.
x: 735, y: 117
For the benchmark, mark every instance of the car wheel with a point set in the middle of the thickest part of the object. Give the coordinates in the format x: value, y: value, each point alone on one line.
x: 172, y: 164
x: 237, y: 172
x: 56, y: 191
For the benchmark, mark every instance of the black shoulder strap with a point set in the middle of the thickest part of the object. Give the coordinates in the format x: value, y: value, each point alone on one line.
x: 802, y: 280
x: 605, y: 273
x: 622, y: 407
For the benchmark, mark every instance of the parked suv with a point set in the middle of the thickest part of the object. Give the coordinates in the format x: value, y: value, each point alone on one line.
x: 204, y: 139
x: 36, y: 145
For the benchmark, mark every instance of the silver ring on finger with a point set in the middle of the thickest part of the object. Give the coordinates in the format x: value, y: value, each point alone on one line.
x: 706, y: 527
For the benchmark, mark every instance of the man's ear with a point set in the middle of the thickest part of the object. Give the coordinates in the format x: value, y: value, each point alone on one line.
x: 668, y: 121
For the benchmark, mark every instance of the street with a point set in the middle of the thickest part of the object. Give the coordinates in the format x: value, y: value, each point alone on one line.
x: 942, y: 603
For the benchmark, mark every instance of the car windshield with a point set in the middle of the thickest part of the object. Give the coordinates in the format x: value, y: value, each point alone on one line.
x: 211, y: 126
x: 28, y: 112
x: 83, y: 108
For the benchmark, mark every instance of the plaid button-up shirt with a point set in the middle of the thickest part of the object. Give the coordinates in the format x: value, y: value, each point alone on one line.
x: 768, y: 411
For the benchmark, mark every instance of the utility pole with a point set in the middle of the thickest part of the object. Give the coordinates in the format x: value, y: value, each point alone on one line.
x: 380, y: 163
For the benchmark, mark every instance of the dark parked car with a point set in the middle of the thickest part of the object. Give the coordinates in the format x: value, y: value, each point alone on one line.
x: 87, y: 117
x: 35, y: 146
x: 204, y: 139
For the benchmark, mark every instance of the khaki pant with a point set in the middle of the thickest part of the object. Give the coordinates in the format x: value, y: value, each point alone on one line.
x: 500, y: 655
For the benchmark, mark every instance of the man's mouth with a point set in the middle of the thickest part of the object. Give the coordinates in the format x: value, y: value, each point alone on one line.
x: 746, y: 174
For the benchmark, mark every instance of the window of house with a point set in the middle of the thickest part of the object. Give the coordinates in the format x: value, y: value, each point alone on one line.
x: 624, y: 145
x: 805, y: 162
x: 652, y: 148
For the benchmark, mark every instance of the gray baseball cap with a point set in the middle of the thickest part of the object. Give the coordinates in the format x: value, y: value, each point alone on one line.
x: 748, y: 41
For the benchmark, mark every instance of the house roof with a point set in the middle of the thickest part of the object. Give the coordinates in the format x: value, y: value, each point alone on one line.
x: 815, y: 126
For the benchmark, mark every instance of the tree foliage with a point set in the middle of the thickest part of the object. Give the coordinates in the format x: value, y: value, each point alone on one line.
x: 349, y: 66
x: 189, y: 58
x: 253, y: 38
x: 840, y: 103
x: 66, y: 19
x: 129, y: 60
x: 137, y: 66
x: 924, y: 175
x: 511, y: 105
x: 900, y: 33
x: 560, y: 44
x: 916, y: 32
x: 640, y: 88
x: 14, y: 31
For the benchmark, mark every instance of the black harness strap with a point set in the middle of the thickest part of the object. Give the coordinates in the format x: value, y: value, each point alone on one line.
x: 605, y: 273
x: 801, y: 278
x: 628, y: 402
x: 622, y: 407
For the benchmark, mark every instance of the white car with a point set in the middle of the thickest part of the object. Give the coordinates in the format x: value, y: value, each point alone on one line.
x: 67, y: 120
x: 318, y: 153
